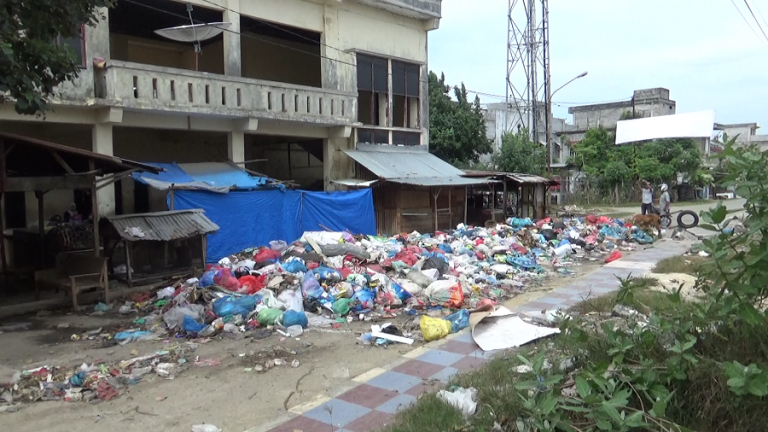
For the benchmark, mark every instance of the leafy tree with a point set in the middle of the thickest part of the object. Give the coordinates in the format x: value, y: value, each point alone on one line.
x: 519, y: 154
x: 457, y: 132
x: 31, y: 62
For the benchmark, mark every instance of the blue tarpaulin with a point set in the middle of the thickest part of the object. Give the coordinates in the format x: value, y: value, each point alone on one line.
x: 254, y: 218
x: 215, y: 176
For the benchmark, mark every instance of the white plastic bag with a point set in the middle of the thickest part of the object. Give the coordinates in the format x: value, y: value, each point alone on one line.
x: 433, y: 274
x: 462, y: 399
x: 412, y: 287
x: 292, y: 299
x: 205, y: 428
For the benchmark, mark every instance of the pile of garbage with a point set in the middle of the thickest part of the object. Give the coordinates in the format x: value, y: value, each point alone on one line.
x: 328, y: 279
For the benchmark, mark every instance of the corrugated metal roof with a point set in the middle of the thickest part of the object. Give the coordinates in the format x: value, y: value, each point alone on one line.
x: 410, y: 165
x: 517, y: 177
x: 353, y: 182
x: 163, y: 226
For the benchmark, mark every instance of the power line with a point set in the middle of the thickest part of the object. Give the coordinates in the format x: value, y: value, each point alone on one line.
x: 502, y: 97
x: 745, y: 20
x: 760, y: 12
x: 756, y: 20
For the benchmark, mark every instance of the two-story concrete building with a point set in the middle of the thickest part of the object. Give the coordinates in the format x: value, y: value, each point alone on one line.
x: 292, y: 82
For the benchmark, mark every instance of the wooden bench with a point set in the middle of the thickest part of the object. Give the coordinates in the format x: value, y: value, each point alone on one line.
x: 77, y: 271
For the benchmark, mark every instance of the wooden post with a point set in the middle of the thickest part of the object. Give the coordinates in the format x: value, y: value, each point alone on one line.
x: 493, y: 201
x: 205, y: 250
x: 173, y: 197
x: 450, y: 208
x: 505, y: 199
x: 466, y: 201
x: 436, y: 194
x: 2, y: 236
x: 128, y: 271
x: 41, y: 228
x: 95, y: 212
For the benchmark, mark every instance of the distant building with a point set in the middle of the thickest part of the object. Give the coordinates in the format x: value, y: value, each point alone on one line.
x: 746, y: 133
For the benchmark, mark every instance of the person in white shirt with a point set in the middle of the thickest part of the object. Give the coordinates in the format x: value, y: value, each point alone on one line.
x: 664, y: 199
x: 647, y: 203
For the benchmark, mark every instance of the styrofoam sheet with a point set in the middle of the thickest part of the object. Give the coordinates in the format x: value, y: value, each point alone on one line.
x: 689, y: 125
x: 502, y: 329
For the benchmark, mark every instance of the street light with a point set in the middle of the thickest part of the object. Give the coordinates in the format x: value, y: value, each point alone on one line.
x: 549, y: 123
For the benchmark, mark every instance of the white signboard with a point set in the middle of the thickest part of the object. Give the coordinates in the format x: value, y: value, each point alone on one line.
x: 690, y: 125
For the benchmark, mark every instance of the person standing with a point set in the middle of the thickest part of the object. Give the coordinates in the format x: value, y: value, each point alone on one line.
x: 647, y: 202
x: 664, y: 199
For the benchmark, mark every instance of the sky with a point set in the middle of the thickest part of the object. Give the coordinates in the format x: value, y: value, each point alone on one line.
x: 701, y: 50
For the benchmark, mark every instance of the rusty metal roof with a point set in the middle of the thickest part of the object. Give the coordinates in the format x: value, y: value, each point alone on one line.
x: 163, y: 226
x: 516, y: 177
x: 412, y: 165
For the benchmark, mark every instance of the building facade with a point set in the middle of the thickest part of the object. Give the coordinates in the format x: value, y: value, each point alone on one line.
x: 283, y: 90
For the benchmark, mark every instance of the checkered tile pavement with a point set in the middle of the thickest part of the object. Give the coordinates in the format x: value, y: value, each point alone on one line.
x: 376, y: 396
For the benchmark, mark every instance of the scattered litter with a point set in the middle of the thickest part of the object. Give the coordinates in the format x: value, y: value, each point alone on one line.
x: 462, y: 399
x: 205, y: 428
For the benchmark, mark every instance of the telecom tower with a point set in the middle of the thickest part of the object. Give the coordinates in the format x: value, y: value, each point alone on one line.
x: 528, y: 74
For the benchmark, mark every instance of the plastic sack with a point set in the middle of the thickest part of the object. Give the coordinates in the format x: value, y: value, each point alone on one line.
x: 207, y: 279
x: 294, y: 265
x: 434, y: 328
x: 459, y: 320
x: 174, y: 317
x: 278, y: 245
x: 445, y: 292
x: 252, y: 284
x: 268, y: 299
x: 413, y: 288
x: 343, y: 249
x: 365, y: 299
x: 432, y: 274
x: 310, y: 285
x: 613, y: 257
x: 226, y: 280
x: 419, y: 278
x: 266, y: 255
x: 294, y: 318
x: 292, y: 300
x: 462, y: 399
x: 191, y: 326
x: 234, y: 306
x: 341, y: 307
x: 270, y: 316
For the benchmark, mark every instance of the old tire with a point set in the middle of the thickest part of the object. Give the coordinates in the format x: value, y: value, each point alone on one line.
x: 681, y: 221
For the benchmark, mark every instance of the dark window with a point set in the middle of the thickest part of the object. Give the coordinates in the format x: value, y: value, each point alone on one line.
x: 405, y: 91
x: 15, y: 210
x: 406, y: 138
x: 76, y: 44
x: 372, y: 136
x: 372, y: 89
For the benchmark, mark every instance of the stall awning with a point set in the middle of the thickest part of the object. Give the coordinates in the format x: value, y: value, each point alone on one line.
x: 163, y: 226
x: 211, y: 176
x: 412, y: 165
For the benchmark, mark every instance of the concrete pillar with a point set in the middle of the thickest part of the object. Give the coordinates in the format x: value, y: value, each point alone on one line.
x: 336, y: 69
x: 336, y: 164
x: 101, y: 142
x: 232, y: 48
x: 236, y: 146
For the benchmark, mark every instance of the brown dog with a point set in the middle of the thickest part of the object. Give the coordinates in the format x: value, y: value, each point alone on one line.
x: 648, y: 221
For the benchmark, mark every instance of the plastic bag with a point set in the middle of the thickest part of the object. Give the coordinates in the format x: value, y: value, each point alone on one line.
x: 445, y: 292
x: 342, y: 290
x: 419, y: 278
x: 341, y: 306
x: 365, y: 299
x: 252, y: 284
x: 132, y: 336
x: 613, y: 256
x: 295, y: 318
x: 226, y: 280
x: 343, y: 249
x: 278, y: 245
x: 462, y: 399
x: 292, y: 299
x: 294, y: 265
x: 434, y: 328
x: 266, y: 255
x: 174, y: 317
x: 310, y: 286
x: 459, y: 320
x: 234, y: 306
x: 207, y: 279
x: 205, y: 428
x: 191, y: 326
x: 270, y: 316
x: 326, y: 274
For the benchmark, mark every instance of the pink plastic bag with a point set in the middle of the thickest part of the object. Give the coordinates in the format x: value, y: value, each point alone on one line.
x: 226, y: 280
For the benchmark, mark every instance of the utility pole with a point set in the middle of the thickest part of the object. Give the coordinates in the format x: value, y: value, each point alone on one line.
x: 547, y: 82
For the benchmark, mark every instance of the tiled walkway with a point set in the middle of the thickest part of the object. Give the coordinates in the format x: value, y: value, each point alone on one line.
x: 370, y: 402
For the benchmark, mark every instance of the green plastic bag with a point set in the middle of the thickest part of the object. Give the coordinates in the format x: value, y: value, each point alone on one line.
x: 341, y: 306
x: 270, y: 316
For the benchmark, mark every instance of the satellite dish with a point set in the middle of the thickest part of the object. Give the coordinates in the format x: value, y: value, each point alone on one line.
x: 194, y: 32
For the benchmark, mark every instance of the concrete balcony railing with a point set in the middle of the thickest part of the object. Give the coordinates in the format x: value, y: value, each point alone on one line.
x: 421, y: 9
x: 135, y: 86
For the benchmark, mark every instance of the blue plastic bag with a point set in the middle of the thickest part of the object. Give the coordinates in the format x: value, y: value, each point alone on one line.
x: 402, y: 294
x: 207, y: 279
x: 292, y: 317
x: 446, y: 248
x: 234, y: 306
x: 294, y: 266
x: 131, y: 335
x: 365, y: 299
x: 191, y: 326
x: 459, y: 320
x: 326, y: 273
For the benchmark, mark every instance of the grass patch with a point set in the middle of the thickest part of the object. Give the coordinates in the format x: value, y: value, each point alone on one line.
x: 681, y: 264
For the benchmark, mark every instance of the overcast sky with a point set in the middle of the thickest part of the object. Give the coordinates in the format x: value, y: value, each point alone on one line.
x: 702, y: 51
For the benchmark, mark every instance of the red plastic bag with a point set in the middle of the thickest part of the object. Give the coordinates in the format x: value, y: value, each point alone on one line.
x: 592, y: 219
x: 252, y: 284
x: 603, y: 220
x: 457, y: 297
x: 226, y: 280
x: 266, y: 255
x: 542, y: 222
x: 613, y: 256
